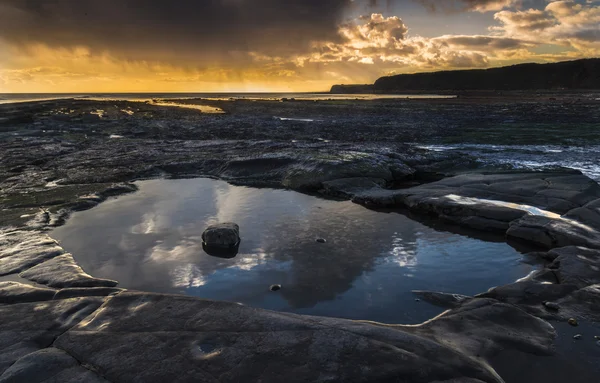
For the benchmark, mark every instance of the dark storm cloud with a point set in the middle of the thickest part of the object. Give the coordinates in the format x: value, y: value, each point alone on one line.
x: 185, y: 29
x: 590, y: 35
x: 466, y: 5
x: 492, y: 42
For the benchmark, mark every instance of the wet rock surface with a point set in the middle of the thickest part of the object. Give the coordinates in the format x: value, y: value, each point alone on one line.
x: 222, y: 236
x: 62, y: 271
x: 491, y: 201
x: 576, y: 266
x: 14, y: 292
x: 51, y: 362
x: 29, y: 327
x: 20, y: 251
x: 552, y: 232
x: 59, y: 157
x: 260, y: 345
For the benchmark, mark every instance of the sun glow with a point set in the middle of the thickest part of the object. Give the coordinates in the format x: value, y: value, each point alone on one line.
x: 69, y: 56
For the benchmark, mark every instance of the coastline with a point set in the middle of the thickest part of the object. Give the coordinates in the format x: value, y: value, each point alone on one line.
x: 88, y: 322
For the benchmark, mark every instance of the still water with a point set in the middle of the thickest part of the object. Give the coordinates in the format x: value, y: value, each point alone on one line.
x: 151, y: 241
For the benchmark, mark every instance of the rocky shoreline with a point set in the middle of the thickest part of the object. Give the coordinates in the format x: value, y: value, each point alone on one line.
x: 65, y: 325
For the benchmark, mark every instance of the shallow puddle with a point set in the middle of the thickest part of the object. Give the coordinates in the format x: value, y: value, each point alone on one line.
x: 370, y: 263
x: 203, y: 108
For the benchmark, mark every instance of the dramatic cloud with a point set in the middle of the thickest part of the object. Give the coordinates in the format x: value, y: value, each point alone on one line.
x: 275, y: 45
x: 566, y: 23
x: 183, y: 29
x: 467, y: 5
x: 376, y: 39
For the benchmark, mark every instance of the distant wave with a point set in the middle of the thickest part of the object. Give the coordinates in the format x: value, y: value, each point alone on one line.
x: 531, y: 156
x: 23, y: 97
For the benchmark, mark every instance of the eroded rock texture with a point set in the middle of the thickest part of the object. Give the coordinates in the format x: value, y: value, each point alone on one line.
x: 59, y: 157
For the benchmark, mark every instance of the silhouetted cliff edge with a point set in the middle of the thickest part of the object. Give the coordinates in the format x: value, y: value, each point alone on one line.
x: 353, y: 89
x: 579, y: 74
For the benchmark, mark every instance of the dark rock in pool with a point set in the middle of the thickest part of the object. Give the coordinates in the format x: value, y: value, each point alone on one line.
x: 222, y: 235
x: 275, y: 287
x: 321, y: 240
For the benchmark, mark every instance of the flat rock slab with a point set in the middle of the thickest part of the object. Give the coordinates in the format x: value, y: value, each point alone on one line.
x: 24, y: 249
x: 588, y: 214
x: 310, y: 172
x: 187, y: 339
x: 536, y: 298
x: 557, y: 192
x: 62, y: 271
x: 350, y: 187
x: 582, y: 303
x: 75, y: 292
x: 439, y: 299
x: 490, y: 201
x: 554, y: 232
x: 577, y: 266
x: 49, y: 365
x: 482, y: 327
x: 29, y: 327
x: 573, y: 291
x: 15, y: 292
x: 529, y: 293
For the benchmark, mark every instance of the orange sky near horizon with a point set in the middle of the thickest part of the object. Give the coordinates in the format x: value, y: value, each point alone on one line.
x: 295, y: 46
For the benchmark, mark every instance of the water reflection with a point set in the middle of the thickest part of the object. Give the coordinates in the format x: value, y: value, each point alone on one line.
x: 203, y: 108
x: 151, y: 240
x: 220, y: 252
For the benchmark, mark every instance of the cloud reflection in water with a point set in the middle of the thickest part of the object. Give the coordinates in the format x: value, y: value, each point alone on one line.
x: 151, y: 240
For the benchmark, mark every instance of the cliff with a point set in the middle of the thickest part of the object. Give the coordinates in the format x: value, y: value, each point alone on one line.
x: 579, y: 74
x: 352, y: 89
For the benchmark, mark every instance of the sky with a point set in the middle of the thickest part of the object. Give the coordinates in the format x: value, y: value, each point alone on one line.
x: 275, y: 45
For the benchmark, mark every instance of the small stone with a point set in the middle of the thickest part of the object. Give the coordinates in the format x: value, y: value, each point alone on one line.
x: 321, y: 240
x: 275, y: 287
x: 573, y: 322
x: 577, y: 337
x: 417, y: 300
x: 597, y: 337
x: 552, y: 306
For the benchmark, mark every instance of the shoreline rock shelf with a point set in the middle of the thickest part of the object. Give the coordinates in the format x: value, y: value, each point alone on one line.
x: 107, y: 334
x: 88, y: 329
x: 91, y: 338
